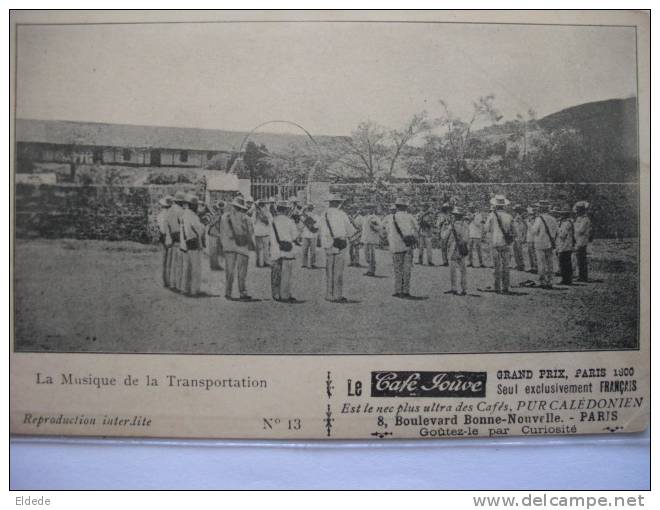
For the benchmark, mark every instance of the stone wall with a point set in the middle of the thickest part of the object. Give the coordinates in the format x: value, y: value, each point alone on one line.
x: 111, y: 213
x: 54, y: 211
x: 614, y: 206
x: 129, y: 212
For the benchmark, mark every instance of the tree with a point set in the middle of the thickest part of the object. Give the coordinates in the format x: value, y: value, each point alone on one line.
x: 430, y: 160
x: 255, y: 161
x: 562, y: 156
x: 293, y: 163
x: 520, y: 131
x: 364, y: 152
x: 218, y: 161
x: 459, y: 134
x: 372, y: 151
x: 419, y: 123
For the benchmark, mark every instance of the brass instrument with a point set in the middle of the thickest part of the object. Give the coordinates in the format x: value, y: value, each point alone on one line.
x: 295, y: 213
x: 423, y: 224
x: 374, y: 226
x: 358, y: 231
x: 310, y: 224
x: 262, y: 216
x: 214, y: 224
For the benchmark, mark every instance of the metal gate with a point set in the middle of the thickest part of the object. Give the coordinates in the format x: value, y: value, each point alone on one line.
x: 284, y: 190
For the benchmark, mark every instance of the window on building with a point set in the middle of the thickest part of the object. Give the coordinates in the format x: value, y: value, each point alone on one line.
x: 210, y: 155
x: 183, y: 156
x: 126, y: 154
x: 98, y: 156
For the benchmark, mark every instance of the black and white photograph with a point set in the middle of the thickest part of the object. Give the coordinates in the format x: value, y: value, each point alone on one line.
x: 322, y: 188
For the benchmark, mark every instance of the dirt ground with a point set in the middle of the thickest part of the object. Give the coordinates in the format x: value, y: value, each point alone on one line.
x: 94, y: 296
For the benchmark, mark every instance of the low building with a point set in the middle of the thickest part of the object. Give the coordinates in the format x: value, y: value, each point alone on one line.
x: 43, y: 143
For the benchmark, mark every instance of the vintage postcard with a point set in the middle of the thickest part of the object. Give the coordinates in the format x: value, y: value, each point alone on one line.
x: 330, y: 225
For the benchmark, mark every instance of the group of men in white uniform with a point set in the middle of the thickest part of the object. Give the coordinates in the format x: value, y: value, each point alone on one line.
x: 182, y: 235
x: 274, y: 228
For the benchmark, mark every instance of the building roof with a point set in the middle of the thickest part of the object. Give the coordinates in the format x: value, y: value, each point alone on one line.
x: 132, y: 136
x: 122, y: 135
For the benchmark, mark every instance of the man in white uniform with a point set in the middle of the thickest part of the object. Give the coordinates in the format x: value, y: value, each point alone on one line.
x: 499, y: 226
x: 310, y: 234
x: 165, y: 237
x: 426, y: 221
x: 235, y: 235
x: 370, y: 238
x: 457, y: 249
x: 336, y: 228
x: 284, y: 234
x: 262, y: 228
x: 175, y: 261
x: 192, y: 243
x: 545, y: 232
x: 402, y: 232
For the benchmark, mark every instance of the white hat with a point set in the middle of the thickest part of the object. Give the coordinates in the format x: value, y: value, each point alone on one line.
x: 249, y: 199
x: 457, y: 211
x: 581, y: 204
x: 401, y: 201
x: 333, y: 197
x: 281, y: 204
x: 239, y: 202
x: 166, y: 201
x: 499, y: 200
x: 179, y: 196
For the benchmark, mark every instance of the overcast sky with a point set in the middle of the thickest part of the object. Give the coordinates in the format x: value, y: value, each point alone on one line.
x: 326, y: 76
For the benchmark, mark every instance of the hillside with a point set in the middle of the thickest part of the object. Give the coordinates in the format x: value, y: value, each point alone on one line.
x: 609, y: 130
x: 607, y: 133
